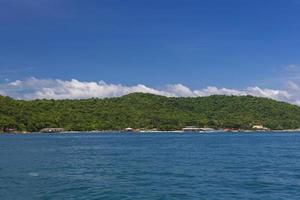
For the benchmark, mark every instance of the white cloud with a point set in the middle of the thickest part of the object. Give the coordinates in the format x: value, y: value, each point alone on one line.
x: 291, y: 85
x: 15, y: 83
x: 34, y: 88
x: 3, y: 93
x: 210, y: 90
x: 179, y: 90
x: 269, y: 93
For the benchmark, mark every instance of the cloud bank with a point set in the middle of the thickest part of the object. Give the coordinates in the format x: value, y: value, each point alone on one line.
x: 34, y: 88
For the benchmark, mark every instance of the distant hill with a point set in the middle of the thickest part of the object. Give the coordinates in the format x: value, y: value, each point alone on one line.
x: 139, y: 110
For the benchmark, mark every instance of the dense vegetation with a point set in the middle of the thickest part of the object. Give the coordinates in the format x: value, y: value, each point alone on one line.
x: 147, y: 111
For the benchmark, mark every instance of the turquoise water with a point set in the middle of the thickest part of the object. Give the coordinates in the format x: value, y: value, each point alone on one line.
x: 150, y: 166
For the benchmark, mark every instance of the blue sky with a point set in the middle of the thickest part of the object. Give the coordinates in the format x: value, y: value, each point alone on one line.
x: 197, y: 43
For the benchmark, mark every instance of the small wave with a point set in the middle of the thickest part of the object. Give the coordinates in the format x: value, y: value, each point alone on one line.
x: 34, y: 174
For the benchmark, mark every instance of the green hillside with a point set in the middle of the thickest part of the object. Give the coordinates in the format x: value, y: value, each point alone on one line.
x: 140, y: 110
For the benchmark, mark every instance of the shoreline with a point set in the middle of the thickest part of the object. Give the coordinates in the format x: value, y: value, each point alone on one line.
x: 158, y: 132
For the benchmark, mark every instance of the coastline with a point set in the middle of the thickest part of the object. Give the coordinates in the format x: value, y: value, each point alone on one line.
x: 159, y: 132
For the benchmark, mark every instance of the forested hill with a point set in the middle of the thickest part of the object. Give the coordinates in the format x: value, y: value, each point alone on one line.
x: 140, y: 110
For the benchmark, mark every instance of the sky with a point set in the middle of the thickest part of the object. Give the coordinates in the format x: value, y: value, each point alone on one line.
x: 103, y: 48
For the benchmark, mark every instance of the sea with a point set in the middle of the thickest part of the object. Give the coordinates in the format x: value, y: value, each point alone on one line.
x: 150, y: 166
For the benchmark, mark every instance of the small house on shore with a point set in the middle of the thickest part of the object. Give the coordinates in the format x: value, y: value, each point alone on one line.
x: 52, y: 130
x: 129, y: 129
x: 191, y: 128
x: 260, y: 128
x: 9, y: 130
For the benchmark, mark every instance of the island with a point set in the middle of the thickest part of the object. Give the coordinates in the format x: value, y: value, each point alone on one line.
x: 142, y: 111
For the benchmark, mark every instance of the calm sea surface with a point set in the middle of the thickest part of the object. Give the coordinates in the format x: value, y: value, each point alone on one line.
x: 150, y: 166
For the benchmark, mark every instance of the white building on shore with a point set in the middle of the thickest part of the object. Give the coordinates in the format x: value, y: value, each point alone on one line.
x: 260, y: 128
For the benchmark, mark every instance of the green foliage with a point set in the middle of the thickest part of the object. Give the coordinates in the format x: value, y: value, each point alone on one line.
x: 140, y: 110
